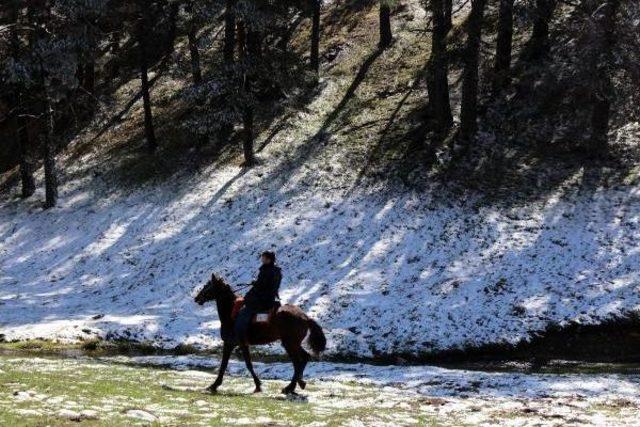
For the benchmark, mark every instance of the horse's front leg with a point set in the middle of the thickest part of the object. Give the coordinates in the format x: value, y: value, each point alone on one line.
x: 247, y: 361
x: 226, y: 354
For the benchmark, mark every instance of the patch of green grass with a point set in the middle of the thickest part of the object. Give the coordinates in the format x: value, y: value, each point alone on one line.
x: 38, y: 345
x: 39, y: 391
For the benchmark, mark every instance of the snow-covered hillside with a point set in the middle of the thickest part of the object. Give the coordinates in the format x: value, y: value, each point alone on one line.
x: 382, y: 270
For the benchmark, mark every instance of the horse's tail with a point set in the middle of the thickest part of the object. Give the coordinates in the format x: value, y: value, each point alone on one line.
x: 317, y: 340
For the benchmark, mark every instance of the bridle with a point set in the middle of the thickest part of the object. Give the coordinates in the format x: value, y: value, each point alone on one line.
x: 240, y: 287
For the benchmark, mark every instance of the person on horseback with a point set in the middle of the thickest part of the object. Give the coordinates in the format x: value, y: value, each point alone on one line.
x: 262, y: 296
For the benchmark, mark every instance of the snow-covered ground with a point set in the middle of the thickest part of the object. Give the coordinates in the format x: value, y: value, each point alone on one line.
x: 118, y: 391
x: 459, y: 397
x: 424, y: 380
x: 382, y: 271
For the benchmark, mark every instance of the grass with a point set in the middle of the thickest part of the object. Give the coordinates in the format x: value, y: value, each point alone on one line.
x: 92, y: 346
x: 35, y: 392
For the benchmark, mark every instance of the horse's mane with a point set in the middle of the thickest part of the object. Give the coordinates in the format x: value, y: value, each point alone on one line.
x: 225, y: 287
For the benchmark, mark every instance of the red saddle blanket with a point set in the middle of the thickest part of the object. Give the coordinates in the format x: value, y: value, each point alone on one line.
x: 260, y: 317
x: 237, y: 305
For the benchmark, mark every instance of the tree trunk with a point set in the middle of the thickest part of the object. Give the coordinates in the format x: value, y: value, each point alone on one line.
x: 195, y: 55
x: 253, y: 51
x: 248, y: 43
x: 242, y: 39
x: 229, y: 31
x: 540, y: 36
x: 315, y: 37
x: 385, y: 24
x: 89, y: 76
x: 448, y: 14
x: 502, y: 66
x: 89, y: 69
x: 114, y: 50
x: 601, y: 113
x: 28, y: 184
x: 149, y: 131
x: 247, y: 140
x: 49, y: 152
x: 173, y: 28
x: 438, y: 83
x: 469, y: 103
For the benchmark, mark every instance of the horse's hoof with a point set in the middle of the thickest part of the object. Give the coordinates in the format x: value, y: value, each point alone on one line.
x: 258, y: 390
x: 288, y: 390
x: 302, y: 384
x: 213, y: 389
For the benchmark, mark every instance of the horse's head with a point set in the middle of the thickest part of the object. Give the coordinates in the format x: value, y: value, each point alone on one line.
x: 212, y: 290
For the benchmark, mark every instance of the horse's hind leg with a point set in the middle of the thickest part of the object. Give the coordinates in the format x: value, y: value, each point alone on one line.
x: 294, y: 355
x: 226, y: 354
x: 247, y: 360
x: 303, y: 364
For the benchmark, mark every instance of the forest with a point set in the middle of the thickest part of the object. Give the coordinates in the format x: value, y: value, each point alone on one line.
x: 544, y: 79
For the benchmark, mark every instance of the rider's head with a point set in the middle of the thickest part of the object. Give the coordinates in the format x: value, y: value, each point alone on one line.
x: 268, y: 258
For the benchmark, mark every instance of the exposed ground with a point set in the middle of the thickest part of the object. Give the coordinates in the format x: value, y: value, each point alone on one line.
x: 120, y: 392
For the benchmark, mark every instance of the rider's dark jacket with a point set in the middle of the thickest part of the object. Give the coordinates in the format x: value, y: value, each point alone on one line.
x: 264, y: 293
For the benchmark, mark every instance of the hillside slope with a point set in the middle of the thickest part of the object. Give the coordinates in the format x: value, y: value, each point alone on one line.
x: 383, y: 272
x: 383, y: 267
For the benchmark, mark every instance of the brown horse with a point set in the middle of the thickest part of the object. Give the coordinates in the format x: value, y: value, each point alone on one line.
x: 289, y: 324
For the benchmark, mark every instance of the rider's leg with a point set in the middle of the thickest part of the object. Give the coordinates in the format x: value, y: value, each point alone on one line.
x: 242, y: 325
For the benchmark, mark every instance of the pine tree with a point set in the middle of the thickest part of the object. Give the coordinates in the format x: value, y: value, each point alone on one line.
x: 15, y: 96
x: 469, y: 103
x: 605, y: 17
x: 229, y: 30
x: 539, y: 44
x: 502, y: 65
x: 194, y: 15
x: 439, y: 67
x: 386, y: 37
x: 143, y: 28
x: 315, y: 35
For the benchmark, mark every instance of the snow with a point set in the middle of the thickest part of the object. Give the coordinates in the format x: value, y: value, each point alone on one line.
x: 424, y: 380
x: 357, y: 394
x: 383, y: 268
x: 382, y: 271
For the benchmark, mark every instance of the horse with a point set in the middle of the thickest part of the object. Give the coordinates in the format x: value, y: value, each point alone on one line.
x: 288, y: 323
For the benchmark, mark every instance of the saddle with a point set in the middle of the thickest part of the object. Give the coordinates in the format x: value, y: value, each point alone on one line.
x: 258, y: 317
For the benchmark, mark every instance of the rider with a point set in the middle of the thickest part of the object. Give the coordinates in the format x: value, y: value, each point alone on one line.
x: 262, y: 296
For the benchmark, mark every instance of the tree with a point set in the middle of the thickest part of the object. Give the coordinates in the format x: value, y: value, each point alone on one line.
x: 53, y: 66
x: 605, y: 20
x: 448, y: 14
x: 469, y: 103
x: 192, y: 37
x: 438, y: 84
x: 251, y: 52
x: 502, y: 65
x: 196, y: 14
x: 142, y: 29
x: 260, y: 78
x: 15, y: 96
x: 229, y: 30
x: 315, y: 35
x: 386, y: 37
x: 49, y: 160
x: 539, y: 44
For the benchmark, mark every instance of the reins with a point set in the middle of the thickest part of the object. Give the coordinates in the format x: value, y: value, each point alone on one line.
x: 240, y: 287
